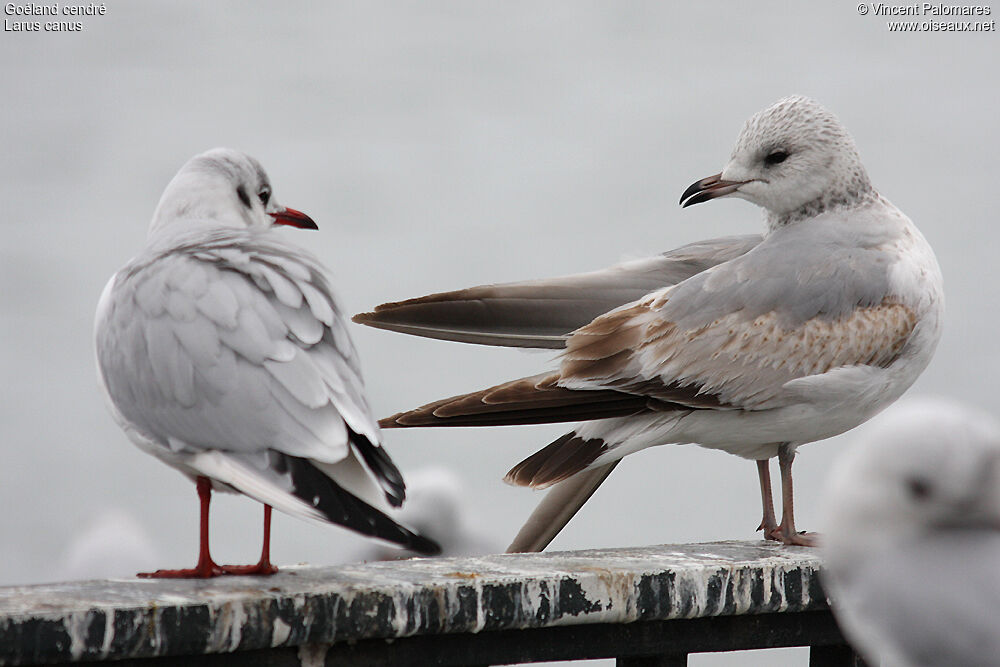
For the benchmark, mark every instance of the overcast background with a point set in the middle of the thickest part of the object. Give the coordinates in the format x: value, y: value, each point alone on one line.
x: 441, y: 145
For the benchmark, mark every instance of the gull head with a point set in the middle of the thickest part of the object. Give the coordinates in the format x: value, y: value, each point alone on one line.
x: 794, y: 159
x: 223, y: 188
x: 927, y: 465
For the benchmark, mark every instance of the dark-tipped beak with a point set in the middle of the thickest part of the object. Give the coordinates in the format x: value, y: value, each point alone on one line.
x: 707, y: 188
x: 293, y: 218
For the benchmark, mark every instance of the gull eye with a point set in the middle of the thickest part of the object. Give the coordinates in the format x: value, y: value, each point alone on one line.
x: 241, y: 192
x: 919, y: 488
x: 265, y: 196
x: 777, y: 157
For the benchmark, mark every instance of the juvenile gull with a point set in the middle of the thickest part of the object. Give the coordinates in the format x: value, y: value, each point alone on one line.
x: 751, y: 345
x: 912, y: 537
x: 223, y: 353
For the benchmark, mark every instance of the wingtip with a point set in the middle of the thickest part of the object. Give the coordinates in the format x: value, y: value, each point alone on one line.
x: 390, y: 422
x: 416, y: 417
x: 516, y: 477
x: 559, y: 460
x: 372, y: 317
x: 425, y: 546
x: 509, y: 479
x: 395, y: 499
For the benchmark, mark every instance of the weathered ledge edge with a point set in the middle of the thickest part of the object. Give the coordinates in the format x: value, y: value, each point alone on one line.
x: 132, y: 618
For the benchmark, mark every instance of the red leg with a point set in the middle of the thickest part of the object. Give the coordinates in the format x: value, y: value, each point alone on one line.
x: 263, y: 566
x: 768, y: 522
x: 206, y: 567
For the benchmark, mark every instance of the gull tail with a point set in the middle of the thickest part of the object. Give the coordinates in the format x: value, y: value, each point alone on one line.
x: 556, y: 509
x: 310, y: 489
x: 311, y: 485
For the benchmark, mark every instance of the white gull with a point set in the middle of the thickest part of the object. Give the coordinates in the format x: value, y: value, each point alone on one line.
x: 440, y: 507
x: 751, y: 345
x: 912, y: 537
x: 223, y: 353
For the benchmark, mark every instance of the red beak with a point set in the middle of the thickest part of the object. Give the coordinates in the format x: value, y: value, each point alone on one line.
x: 294, y: 218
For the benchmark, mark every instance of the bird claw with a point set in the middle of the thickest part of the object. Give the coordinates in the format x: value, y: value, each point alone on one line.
x: 800, y: 539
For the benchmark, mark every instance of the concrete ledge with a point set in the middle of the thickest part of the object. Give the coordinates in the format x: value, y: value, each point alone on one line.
x: 314, y: 607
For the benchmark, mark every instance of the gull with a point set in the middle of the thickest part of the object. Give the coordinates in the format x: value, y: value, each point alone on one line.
x: 112, y: 543
x: 750, y: 345
x: 913, y: 537
x: 222, y: 352
x: 440, y: 507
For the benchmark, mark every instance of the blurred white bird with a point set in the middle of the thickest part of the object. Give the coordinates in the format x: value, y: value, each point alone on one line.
x: 746, y: 344
x: 111, y: 544
x: 912, y: 540
x: 438, y: 506
x: 223, y: 353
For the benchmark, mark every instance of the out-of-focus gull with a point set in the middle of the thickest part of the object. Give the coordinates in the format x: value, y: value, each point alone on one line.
x: 113, y: 543
x: 440, y: 507
x: 223, y: 353
x: 752, y: 345
x: 912, y: 537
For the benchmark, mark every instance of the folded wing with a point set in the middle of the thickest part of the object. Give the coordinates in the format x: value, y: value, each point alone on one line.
x: 229, y: 357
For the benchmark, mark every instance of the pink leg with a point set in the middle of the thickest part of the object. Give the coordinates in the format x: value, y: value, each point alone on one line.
x: 768, y: 523
x: 786, y: 532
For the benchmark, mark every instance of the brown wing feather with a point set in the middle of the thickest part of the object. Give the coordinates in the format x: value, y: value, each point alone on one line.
x: 559, y: 460
x: 621, y: 348
x: 632, y: 360
x: 523, y: 401
x: 735, y: 361
x: 539, y: 400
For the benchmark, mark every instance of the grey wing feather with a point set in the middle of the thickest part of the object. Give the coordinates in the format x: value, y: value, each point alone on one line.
x: 234, y: 347
x: 541, y: 313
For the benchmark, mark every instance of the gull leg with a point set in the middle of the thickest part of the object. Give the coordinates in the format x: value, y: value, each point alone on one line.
x: 769, y: 523
x: 786, y: 532
x: 263, y: 566
x: 206, y: 567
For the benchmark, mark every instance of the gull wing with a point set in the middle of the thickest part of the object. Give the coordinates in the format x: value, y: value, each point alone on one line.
x: 555, y: 510
x: 542, y: 313
x: 728, y: 338
x: 741, y: 331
